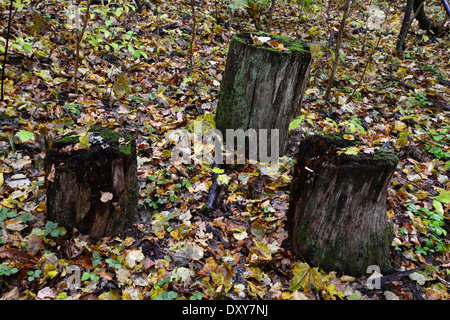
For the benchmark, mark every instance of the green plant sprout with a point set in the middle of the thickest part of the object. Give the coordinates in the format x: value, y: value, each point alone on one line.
x: 33, y: 274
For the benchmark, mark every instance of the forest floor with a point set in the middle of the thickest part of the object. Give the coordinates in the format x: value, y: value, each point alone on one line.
x: 134, y: 75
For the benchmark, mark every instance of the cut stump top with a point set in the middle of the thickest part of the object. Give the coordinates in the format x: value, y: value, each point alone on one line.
x: 291, y: 46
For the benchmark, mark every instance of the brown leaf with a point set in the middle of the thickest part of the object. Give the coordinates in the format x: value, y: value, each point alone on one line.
x: 34, y: 244
x: 17, y: 255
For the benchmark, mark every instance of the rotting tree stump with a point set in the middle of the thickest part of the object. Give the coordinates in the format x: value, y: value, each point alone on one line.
x: 263, y: 87
x: 337, y: 210
x: 93, y: 187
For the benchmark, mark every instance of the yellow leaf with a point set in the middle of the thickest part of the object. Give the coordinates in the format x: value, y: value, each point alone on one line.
x: 296, y: 295
x: 110, y: 295
x: 50, y: 271
x: 8, y: 203
x: 39, y: 22
x: 42, y: 206
x: 176, y: 234
x: 8, y: 85
x: 121, y: 86
x: 133, y: 257
x: 256, y: 290
x: 2, y: 180
x: 390, y: 214
x: 239, y: 233
x: 156, y: 291
x: 352, y: 151
x: 312, y: 31
x: 400, y: 126
x: 97, y: 78
x: 402, y: 72
x: 259, y: 253
x: 349, y: 137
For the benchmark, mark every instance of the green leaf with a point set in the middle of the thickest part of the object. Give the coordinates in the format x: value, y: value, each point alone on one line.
x: 444, y: 196
x: 360, y: 127
x: 25, y: 217
x: 196, y: 296
x: 294, y: 124
x: 96, y: 259
x: 85, y: 276
x: 51, y: 228
x: 438, y: 206
x: 170, y: 295
x: 72, y: 108
x: 218, y: 170
x: 11, y: 214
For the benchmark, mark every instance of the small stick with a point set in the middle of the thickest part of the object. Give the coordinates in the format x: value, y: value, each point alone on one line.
x: 77, y: 54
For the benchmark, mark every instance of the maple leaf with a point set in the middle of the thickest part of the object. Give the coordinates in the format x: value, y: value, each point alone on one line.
x: 306, y: 278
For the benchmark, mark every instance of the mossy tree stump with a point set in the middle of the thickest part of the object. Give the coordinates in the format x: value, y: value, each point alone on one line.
x: 262, y: 87
x: 92, y: 185
x: 337, y: 211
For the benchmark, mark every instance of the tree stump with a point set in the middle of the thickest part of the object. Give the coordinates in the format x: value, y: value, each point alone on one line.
x: 262, y: 86
x: 337, y: 210
x: 92, y: 185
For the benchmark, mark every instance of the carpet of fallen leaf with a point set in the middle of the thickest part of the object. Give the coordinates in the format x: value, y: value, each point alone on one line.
x: 134, y: 74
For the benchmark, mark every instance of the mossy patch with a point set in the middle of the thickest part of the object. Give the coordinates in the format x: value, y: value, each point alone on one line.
x: 124, y: 141
x: 330, y: 255
x: 291, y: 44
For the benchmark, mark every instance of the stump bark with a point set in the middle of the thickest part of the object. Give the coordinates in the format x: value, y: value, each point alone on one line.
x: 337, y: 211
x: 93, y: 189
x: 262, y: 87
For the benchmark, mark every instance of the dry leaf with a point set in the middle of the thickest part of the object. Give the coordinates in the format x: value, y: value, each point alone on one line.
x: 106, y: 196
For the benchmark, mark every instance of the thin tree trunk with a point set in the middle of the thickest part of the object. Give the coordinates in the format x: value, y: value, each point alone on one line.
x: 337, y: 48
x: 6, y: 47
x: 405, y: 26
x: 446, y: 6
x: 418, y: 7
x: 269, y: 23
x: 424, y: 22
x: 191, y: 51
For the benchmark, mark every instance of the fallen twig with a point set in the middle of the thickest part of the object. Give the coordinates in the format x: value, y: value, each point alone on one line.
x: 400, y: 82
x: 213, y: 195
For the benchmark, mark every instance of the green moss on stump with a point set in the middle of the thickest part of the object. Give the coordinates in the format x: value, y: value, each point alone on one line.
x: 291, y: 44
x: 100, y: 138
